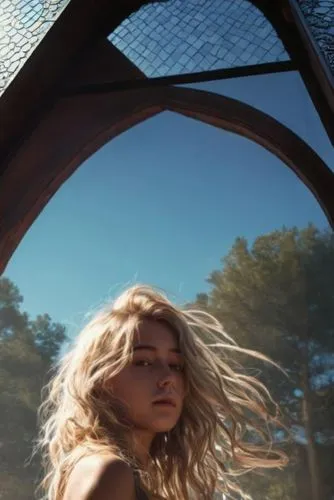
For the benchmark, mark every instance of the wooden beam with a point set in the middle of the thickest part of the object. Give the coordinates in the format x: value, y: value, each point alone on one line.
x: 202, y: 76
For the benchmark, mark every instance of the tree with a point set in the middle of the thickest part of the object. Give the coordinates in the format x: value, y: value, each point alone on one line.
x: 27, y: 349
x: 277, y: 296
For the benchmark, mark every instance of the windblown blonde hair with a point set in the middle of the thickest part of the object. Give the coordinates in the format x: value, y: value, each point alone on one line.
x: 207, y: 447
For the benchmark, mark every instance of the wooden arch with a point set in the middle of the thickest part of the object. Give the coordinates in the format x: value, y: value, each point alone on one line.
x: 75, y: 128
x: 35, y: 87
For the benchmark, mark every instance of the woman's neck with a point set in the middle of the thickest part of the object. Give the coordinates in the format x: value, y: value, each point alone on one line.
x: 141, y: 443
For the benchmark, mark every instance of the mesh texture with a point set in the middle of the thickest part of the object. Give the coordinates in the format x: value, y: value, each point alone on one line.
x: 23, y: 24
x: 319, y: 15
x: 183, y: 36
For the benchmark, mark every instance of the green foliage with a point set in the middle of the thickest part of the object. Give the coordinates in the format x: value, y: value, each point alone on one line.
x: 277, y: 485
x: 276, y: 296
x: 27, y: 348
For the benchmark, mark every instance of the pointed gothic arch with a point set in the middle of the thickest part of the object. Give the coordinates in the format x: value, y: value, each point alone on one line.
x: 88, y: 122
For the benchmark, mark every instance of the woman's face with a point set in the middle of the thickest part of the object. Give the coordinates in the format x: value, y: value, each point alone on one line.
x: 152, y: 386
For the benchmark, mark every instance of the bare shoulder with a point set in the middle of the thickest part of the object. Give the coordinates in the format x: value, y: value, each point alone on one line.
x: 99, y: 477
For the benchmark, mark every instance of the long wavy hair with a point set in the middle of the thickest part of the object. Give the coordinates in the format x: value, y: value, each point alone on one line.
x: 226, y: 421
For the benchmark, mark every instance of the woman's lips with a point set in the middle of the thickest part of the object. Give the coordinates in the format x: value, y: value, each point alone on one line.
x: 165, y: 402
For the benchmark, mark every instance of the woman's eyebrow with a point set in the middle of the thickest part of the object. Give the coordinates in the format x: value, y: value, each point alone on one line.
x: 149, y: 347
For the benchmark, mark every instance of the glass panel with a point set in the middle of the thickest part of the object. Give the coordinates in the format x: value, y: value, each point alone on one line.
x: 166, y: 204
x: 319, y: 16
x: 183, y: 36
x: 23, y: 24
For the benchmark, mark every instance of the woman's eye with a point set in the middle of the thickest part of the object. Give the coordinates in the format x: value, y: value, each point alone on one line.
x: 145, y: 363
x: 177, y: 367
x: 142, y: 362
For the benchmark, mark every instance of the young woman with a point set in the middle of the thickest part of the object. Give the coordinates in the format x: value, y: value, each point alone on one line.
x: 149, y: 404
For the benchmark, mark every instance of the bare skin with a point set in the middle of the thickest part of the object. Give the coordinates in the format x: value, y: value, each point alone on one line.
x: 100, y: 478
x: 155, y: 374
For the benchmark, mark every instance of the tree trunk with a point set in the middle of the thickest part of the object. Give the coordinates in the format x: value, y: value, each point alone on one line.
x: 313, y: 464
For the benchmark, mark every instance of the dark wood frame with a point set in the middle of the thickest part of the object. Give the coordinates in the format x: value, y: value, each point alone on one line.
x: 34, y: 89
x: 33, y: 100
x: 280, y: 14
x: 317, y: 60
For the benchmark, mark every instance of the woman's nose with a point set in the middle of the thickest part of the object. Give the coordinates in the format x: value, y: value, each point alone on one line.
x: 166, y: 377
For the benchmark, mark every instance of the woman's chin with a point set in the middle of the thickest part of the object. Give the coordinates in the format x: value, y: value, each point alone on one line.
x: 163, y: 426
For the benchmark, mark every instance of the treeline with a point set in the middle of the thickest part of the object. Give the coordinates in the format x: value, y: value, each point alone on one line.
x: 277, y: 296
x: 27, y: 349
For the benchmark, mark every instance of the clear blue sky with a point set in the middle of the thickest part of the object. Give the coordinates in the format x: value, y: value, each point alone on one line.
x: 163, y: 202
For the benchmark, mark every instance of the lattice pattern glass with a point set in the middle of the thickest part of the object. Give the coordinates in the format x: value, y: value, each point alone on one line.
x: 23, y: 24
x: 183, y: 36
x: 319, y: 15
